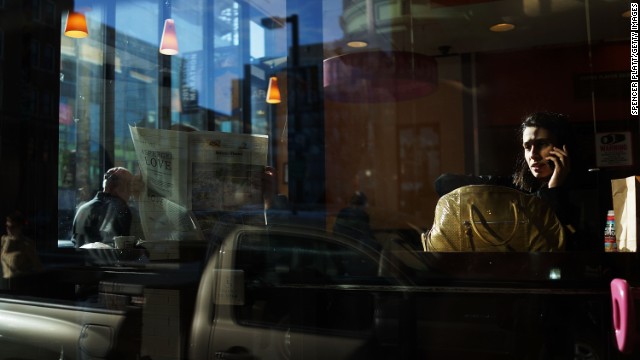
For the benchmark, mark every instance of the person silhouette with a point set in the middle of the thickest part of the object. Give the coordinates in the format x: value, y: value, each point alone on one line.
x: 18, y: 252
x: 353, y: 221
x: 108, y: 213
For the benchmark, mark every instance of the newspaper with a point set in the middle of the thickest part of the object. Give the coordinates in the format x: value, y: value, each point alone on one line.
x: 187, y: 173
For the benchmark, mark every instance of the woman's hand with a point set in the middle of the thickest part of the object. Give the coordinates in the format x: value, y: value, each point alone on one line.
x: 561, y: 163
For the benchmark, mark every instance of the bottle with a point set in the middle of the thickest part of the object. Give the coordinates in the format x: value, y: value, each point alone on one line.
x: 610, y: 243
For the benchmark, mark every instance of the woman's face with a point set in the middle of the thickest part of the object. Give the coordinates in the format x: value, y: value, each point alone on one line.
x: 537, y: 143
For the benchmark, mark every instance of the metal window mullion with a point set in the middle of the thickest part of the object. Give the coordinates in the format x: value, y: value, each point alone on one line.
x: 108, y: 89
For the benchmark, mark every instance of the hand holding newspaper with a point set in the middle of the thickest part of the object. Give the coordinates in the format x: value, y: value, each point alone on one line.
x: 195, y: 172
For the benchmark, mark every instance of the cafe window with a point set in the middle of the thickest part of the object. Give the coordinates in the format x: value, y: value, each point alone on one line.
x: 434, y: 89
x: 332, y: 116
x: 377, y: 97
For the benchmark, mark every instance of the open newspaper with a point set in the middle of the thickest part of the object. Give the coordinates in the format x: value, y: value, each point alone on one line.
x: 189, y: 173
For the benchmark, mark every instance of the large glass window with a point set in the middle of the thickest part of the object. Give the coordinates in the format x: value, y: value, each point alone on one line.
x: 378, y: 97
x: 340, y: 116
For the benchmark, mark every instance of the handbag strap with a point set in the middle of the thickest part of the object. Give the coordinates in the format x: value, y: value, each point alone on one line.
x: 472, y: 208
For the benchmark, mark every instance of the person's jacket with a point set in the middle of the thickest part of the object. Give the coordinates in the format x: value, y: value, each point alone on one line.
x: 100, y: 219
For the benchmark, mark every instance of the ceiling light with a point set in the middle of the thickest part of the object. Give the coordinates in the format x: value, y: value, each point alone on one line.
x: 273, y: 92
x: 76, y: 25
x: 169, y: 41
x: 502, y: 27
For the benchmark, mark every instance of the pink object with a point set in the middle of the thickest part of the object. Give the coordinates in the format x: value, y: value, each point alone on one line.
x: 379, y: 76
x: 169, y: 41
x: 624, y: 315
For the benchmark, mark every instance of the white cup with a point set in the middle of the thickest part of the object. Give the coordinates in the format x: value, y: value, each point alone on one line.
x: 124, y: 242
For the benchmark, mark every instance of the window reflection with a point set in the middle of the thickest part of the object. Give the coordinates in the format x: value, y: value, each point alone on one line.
x: 378, y: 97
x: 228, y: 50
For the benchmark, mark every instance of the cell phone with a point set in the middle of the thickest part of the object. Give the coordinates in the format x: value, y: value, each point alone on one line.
x: 551, y: 164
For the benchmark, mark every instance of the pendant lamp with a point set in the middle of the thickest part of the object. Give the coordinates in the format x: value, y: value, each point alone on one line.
x: 76, y: 25
x: 379, y: 76
x: 273, y: 92
x: 169, y: 41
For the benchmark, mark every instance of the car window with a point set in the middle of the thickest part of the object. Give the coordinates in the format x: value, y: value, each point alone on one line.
x: 305, y: 282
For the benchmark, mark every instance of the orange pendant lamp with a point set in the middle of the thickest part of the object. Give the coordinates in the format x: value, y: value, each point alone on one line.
x: 273, y: 91
x: 76, y: 25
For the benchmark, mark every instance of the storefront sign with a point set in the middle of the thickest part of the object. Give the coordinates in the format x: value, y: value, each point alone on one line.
x: 614, y: 149
x: 190, y: 82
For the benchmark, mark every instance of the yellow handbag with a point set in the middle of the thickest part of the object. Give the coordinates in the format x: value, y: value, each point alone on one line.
x: 490, y: 218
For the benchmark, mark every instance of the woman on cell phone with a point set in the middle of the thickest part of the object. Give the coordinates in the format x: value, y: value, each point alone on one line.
x: 542, y: 169
x: 544, y: 165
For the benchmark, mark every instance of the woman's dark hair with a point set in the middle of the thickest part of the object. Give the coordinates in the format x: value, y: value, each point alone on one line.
x: 559, y: 127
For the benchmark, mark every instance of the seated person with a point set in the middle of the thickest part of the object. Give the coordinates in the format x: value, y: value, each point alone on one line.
x: 107, y: 214
x: 18, y: 252
x: 542, y: 169
x: 353, y: 221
